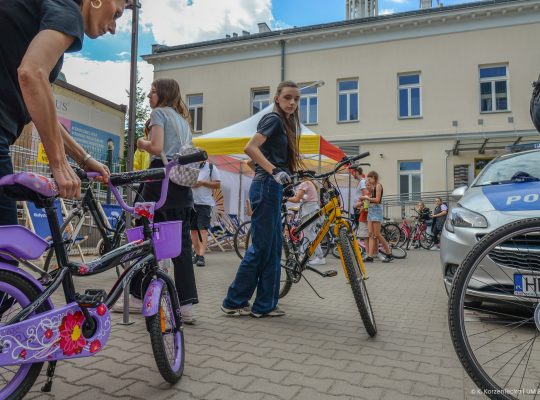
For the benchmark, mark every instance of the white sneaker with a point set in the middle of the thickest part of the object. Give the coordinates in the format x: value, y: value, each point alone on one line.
x: 135, y: 305
x: 435, y: 248
x: 186, y: 311
x: 317, y: 261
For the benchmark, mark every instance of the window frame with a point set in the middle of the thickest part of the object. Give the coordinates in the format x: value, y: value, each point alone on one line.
x: 196, y: 111
x: 308, y: 97
x: 409, y: 88
x: 348, y: 92
x: 493, y: 80
x: 410, y: 173
x: 252, y: 98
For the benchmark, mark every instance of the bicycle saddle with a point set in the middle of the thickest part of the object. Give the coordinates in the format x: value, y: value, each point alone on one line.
x: 22, y: 184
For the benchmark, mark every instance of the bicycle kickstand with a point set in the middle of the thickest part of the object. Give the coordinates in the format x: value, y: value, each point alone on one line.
x: 46, y: 388
x: 312, y: 288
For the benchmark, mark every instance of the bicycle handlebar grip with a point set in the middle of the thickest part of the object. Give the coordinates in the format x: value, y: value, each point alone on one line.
x: 192, y: 158
x: 359, y: 156
x: 125, y: 178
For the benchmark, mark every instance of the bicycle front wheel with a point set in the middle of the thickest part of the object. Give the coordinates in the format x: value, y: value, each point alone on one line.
x: 357, y: 282
x: 495, y: 342
x: 167, y: 340
x: 15, y: 294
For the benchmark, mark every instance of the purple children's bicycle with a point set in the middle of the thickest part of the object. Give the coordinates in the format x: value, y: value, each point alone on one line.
x: 34, y: 331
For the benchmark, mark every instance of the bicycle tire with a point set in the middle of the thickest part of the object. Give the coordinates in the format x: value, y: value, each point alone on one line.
x: 326, y: 244
x: 469, y: 353
x: 426, y: 241
x: 170, y: 370
x: 27, y: 372
x: 398, y: 253
x: 239, y: 241
x: 391, y: 233
x: 357, y: 282
x: 50, y: 253
x: 285, y: 283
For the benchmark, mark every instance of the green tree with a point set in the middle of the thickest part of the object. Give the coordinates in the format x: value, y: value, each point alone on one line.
x: 142, y: 112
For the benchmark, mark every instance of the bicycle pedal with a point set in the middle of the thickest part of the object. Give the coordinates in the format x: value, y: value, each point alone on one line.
x: 91, y: 298
x: 329, y: 273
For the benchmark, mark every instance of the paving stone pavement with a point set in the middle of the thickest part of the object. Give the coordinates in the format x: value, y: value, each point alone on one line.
x: 319, y: 350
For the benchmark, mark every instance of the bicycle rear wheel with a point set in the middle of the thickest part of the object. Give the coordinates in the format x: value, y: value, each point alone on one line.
x: 391, y: 233
x: 357, y: 281
x: 167, y: 341
x: 242, y: 239
x: 15, y: 294
x: 496, y: 342
x: 70, y: 230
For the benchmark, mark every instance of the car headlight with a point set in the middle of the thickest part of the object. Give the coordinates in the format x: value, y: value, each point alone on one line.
x: 464, y: 218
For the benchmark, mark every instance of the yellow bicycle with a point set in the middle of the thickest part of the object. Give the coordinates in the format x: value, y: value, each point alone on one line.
x: 297, y: 252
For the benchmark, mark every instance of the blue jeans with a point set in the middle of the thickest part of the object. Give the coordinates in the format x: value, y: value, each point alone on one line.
x: 260, y: 269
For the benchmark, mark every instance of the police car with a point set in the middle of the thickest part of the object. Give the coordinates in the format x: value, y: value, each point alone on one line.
x: 507, y: 189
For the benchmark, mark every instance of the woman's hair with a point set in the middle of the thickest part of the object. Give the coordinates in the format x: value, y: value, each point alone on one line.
x: 168, y: 93
x: 292, y: 128
x: 147, y: 128
x: 422, y: 203
x: 373, y: 174
x: 438, y: 198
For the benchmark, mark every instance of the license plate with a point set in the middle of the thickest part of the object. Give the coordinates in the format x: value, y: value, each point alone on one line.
x: 527, y: 285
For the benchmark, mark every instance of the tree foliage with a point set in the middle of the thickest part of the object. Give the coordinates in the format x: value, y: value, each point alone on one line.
x: 142, y: 112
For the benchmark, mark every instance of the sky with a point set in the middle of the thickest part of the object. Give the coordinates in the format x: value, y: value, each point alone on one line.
x: 102, y: 66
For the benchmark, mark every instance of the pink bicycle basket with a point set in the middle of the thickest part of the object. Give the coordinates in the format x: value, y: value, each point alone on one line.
x: 167, y: 238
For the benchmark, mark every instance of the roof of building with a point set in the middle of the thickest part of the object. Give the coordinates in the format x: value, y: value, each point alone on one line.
x: 160, y: 49
x: 92, y: 96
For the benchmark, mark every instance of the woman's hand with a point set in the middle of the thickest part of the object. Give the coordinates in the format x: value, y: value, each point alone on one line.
x: 69, y: 184
x: 141, y: 143
x: 92, y: 165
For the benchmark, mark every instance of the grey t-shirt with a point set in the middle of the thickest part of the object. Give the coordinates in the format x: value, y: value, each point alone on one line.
x: 171, y: 122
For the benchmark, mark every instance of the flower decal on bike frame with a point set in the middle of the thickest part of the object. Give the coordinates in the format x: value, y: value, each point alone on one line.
x: 72, y: 340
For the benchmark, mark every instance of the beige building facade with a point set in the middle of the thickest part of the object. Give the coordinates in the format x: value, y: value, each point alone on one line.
x: 431, y: 94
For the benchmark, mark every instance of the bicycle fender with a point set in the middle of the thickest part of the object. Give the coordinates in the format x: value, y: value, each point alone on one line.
x: 22, y: 273
x: 151, y: 298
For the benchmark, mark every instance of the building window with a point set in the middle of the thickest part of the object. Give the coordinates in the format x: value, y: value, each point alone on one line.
x: 348, y: 100
x: 461, y: 175
x: 195, y: 105
x: 410, y: 180
x: 260, y: 98
x: 409, y: 96
x: 308, y: 105
x: 494, y: 89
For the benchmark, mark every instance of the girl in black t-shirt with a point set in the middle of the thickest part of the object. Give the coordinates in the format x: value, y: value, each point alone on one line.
x: 275, y: 152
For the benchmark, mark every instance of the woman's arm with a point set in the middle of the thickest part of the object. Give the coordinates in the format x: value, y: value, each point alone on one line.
x: 298, y: 196
x: 39, y: 60
x: 254, y: 152
x: 155, y: 144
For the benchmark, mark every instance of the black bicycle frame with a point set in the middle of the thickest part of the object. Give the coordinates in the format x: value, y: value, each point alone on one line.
x: 89, y: 201
x: 142, y: 250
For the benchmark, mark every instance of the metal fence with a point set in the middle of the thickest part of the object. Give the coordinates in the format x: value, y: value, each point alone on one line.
x: 24, y: 154
x: 397, y: 207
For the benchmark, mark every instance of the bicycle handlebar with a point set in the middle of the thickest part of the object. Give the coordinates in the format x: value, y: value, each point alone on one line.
x: 311, y: 174
x: 146, y: 176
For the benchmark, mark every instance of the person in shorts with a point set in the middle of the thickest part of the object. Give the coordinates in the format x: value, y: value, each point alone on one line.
x: 209, y: 179
x: 360, y: 206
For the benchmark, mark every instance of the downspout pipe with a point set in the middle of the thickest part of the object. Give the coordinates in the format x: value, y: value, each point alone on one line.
x: 282, y: 43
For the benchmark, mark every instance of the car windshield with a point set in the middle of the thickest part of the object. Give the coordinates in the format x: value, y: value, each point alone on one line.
x: 524, y: 167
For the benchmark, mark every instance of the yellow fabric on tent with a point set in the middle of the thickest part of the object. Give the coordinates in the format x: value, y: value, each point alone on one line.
x: 309, y: 144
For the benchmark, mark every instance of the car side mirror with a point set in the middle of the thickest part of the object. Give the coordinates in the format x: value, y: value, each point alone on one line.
x: 459, y: 192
